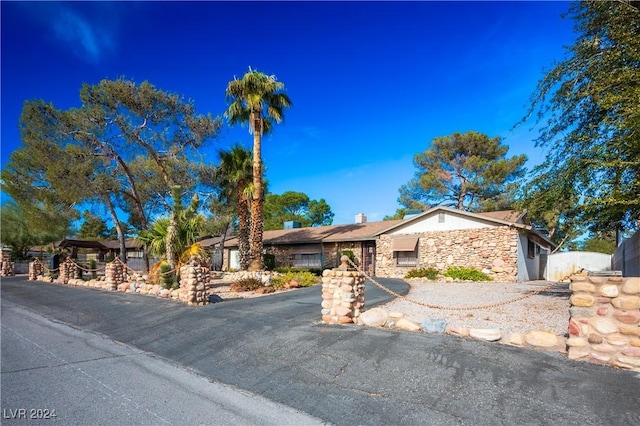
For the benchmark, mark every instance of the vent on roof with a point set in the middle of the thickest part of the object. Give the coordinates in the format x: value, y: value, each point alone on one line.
x: 292, y: 224
x: 361, y: 218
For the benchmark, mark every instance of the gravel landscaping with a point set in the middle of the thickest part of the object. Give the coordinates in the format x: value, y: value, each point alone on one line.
x: 548, y: 310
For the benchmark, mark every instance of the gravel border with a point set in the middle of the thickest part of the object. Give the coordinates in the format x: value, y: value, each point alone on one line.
x: 548, y: 310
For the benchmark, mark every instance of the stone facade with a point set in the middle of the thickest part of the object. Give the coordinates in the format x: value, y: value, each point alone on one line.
x: 604, y: 324
x: 342, y: 295
x: 493, y: 250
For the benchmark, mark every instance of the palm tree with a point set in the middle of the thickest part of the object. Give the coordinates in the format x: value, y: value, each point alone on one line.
x: 171, y: 237
x: 259, y: 100
x: 234, y: 177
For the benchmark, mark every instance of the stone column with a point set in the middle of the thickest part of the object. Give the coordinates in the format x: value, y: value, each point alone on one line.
x: 114, y: 275
x: 342, y: 295
x: 194, y: 280
x: 67, y: 271
x: 35, y: 270
x: 6, y: 265
x: 604, y: 324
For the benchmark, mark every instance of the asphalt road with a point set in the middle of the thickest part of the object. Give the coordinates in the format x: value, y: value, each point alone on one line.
x: 275, y: 347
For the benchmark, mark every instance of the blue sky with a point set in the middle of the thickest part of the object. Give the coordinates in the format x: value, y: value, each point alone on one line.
x: 372, y: 83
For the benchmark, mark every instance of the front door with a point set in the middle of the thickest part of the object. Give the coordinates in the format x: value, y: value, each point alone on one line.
x: 369, y: 257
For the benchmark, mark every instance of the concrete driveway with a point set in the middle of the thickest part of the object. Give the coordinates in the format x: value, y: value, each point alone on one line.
x: 276, y: 347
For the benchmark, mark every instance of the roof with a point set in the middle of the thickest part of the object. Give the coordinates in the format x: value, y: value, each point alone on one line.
x: 322, y: 234
x: 369, y: 231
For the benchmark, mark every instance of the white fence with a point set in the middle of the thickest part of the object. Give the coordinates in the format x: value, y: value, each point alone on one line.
x: 561, y: 265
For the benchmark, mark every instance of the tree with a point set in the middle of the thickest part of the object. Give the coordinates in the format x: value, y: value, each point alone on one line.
x: 126, y: 147
x: 235, y: 176
x: 600, y: 243
x: 26, y: 226
x: 93, y: 227
x: 399, y: 214
x: 258, y: 100
x: 467, y: 171
x: 189, y: 224
x: 589, y: 113
x: 295, y: 206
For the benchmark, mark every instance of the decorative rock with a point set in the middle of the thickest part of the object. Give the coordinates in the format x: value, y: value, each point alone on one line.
x: 265, y: 290
x: 578, y: 352
x: 376, y: 317
x: 627, y: 362
x: 632, y: 352
x: 609, y: 291
x: 165, y: 293
x: 488, y: 334
x: 516, y: 339
x: 597, y: 280
x: 635, y: 342
x: 574, y: 328
x: 576, y: 342
x: 600, y: 357
x: 631, y: 286
x: 407, y: 324
x: 582, y: 286
x: 580, y: 312
x: 343, y: 311
x: 454, y: 330
x: 595, y: 338
x: 603, y: 325
x: 582, y: 300
x: 395, y: 315
x: 626, y: 302
x: 604, y: 347
x: 541, y: 338
x: 434, y: 325
x: 602, y: 310
x: 629, y: 330
x: 627, y: 317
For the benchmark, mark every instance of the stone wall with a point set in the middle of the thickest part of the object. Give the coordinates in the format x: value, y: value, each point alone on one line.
x: 604, y: 324
x: 36, y: 269
x: 68, y: 271
x: 342, y: 295
x: 492, y: 250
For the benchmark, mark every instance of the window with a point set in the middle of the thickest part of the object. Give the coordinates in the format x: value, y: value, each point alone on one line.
x: 309, y: 261
x: 406, y: 258
x: 531, y: 249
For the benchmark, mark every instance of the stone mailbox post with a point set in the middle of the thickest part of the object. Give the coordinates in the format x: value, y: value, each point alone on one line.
x: 342, y: 294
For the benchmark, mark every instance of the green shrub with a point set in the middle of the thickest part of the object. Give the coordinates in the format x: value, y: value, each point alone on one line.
x: 168, y: 280
x: 304, y: 278
x: 286, y: 269
x: 429, y: 273
x: 269, y: 260
x: 469, y: 274
x: 247, y: 284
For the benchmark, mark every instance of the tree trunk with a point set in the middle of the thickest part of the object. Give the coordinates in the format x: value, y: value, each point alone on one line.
x: 170, y: 244
x: 244, y: 226
x: 256, y: 236
x: 257, y: 224
x: 121, y: 239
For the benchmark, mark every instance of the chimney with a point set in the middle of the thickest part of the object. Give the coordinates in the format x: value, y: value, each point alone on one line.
x: 361, y: 218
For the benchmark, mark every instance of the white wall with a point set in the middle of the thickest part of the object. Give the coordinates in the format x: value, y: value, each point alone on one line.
x: 528, y: 268
x: 451, y: 222
x: 563, y: 264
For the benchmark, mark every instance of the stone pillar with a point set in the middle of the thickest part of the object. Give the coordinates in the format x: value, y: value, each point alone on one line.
x: 6, y: 265
x: 67, y: 271
x: 114, y: 275
x: 342, y: 295
x: 604, y: 324
x: 36, y: 269
x: 194, y: 280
